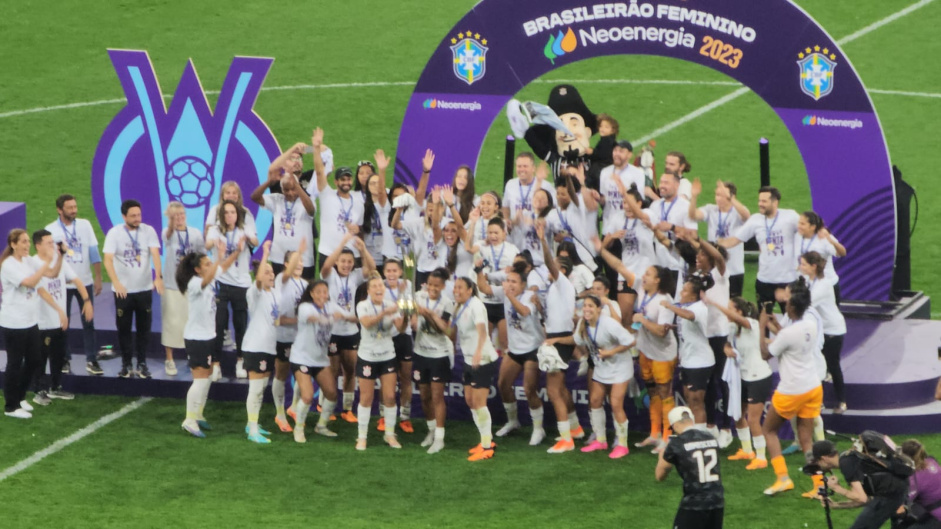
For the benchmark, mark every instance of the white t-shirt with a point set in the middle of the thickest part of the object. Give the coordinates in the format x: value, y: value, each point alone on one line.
x: 55, y: 286
x: 580, y: 223
x: 637, y: 250
x: 538, y: 279
x: 392, y: 298
x: 261, y: 335
x: 343, y: 294
x: 822, y: 246
x: 721, y: 225
x: 479, y: 230
x: 685, y: 188
x: 19, y: 307
x: 80, y: 238
x: 392, y: 245
x: 823, y: 299
x: 581, y: 278
x: 212, y: 219
x: 428, y: 253
x: 675, y: 212
x: 131, y: 250
x: 794, y: 348
x: 560, y: 306
x: 335, y: 213
x: 175, y: 247
x: 466, y: 318
x: 375, y: 343
x: 753, y: 367
x: 718, y: 324
x: 430, y: 342
x: 201, y: 319
x: 523, y: 235
x: 775, y: 239
x: 661, y: 349
x: 312, y: 345
x: 291, y: 224
x: 517, y: 197
x: 496, y: 259
x: 375, y: 240
x: 239, y: 274
x: 288, y: 296
x: 524, y: 333
x: 605, y: 335
x: 613, y: 201
x: 695, y: 351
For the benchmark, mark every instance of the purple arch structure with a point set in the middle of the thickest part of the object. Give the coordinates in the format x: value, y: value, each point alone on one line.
x: 773, y: 48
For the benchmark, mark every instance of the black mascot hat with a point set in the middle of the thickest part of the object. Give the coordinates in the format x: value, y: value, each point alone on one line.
x: 565, y: 99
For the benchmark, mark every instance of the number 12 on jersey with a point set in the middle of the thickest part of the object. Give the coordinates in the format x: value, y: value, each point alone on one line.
x: 706, y: 459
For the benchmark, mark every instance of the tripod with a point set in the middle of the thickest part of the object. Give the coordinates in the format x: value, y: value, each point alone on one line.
x: 826, y: 492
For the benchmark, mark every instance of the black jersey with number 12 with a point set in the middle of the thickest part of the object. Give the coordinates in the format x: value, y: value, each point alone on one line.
x: 695, y: 454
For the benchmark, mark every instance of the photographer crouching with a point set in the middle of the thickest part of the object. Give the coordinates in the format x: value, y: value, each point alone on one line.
x: 878, y: 486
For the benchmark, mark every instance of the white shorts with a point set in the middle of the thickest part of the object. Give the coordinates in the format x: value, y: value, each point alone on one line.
x: 174, y: 311
x: 614, y: 370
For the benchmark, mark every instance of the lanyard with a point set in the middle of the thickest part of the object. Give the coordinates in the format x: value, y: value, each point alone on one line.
x: 376, y: 230
x: 300, y: 288
x: 460, y: 312
x: 722, y: 230
x: 71, y: 237
x: 483, y: 230
x: 525, y: 198
x: 428, y: 303
x: 345, y: 292
x: 633, y: 225
x: 134, y: 239
x: 565, y: 225
x: 665, y: 213
x: 643, y: 304
x: 495, y: 259
x: 346, y: 212
x: 289, y: 211
x: 593, y: 337
x: 376, y: 312
x: 229, y: 241
x: 274, y: 306
x: 803, y: 249
x: 395, y: 297
x: 769, y: 228
x: 183, y: 245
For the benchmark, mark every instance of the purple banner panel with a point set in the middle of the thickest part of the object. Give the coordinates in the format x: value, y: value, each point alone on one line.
x: 774, y: 48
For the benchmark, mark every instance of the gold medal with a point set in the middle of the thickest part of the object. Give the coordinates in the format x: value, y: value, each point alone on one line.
x: 71, y: 252
x: 287, y: 225
x: 139, y: 258
x: 378, y: 335
x: 770, y: 246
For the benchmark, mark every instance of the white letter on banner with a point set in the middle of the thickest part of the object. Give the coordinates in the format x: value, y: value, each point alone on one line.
x: 530, y: 28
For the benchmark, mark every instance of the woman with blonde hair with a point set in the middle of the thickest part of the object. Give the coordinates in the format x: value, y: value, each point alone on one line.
x: 178, y: 240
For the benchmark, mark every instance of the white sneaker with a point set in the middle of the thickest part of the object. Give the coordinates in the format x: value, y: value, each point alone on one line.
x: 507, y: 428
x: 26, y: 406
x: 436, y: 447
x: 216, y: 375
x: 537, y: 437
x: 170, y: 367
x: 324, y: 431
x: 725, y: 439
x: 19, y: 414
x: 429, y: 439
x: 299, y: 436
x: 659, y: 448
x: 240, y: 370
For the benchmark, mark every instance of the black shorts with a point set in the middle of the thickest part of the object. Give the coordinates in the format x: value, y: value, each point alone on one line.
x: 695, y: 379
x: 428, y: 370
x: 403, y: 347
x: 199, y: 352
x: 374, y: 370
x: 764, y: 293
x: 566, y: 351
x: 343, y: 343
x: 481, y: 377
x: 281, y: 350
x: 688, y: 519
x: 258, y: 362
x: 736, y: 285
x: 757, y: 392
x: 307, y: 370
x: 495, y: 313
x: 624, y: 288
x: 421, y: 278
x: 522, y: 358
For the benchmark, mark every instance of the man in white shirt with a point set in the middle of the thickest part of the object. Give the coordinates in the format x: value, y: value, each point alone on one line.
x: 131, y: 249
x: 292, y: 210
x: 612, y: 199
x: 665, y: 214
x: 774, y: 229
x: 722, y: 220
x: 518, y: 195
x: 676, y: 163
x: 81, y: 254
x: 340, y: 213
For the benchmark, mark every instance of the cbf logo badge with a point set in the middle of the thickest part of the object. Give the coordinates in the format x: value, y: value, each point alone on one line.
x: 470, y: 54
x: 155, y: 155
x: 816, y: 71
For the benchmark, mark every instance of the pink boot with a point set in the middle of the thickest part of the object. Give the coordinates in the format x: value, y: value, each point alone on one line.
x: 595, y: 445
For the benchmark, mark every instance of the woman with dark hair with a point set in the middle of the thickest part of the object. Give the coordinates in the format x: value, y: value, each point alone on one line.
x: 196, y: 277
x: 463, y: 186
x: 290, y: 287
x: 434, y: 354
x: 458, y: 261
x: 924, y: 488
x: 491, y: 261
x: 469, y: 331
x: 376, y: 208
x: 424, y: 234
x: 488, y: 208
x: 637, y: 250
x: 310, y: 357
x: 398, y: 287
x: 581, y: 275
x: 823, y: 300
x: 815, y: 237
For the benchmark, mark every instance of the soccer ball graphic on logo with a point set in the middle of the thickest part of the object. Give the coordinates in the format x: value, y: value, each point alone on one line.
x: 189, y: 181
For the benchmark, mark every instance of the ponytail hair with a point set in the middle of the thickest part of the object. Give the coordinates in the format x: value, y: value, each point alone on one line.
x: 583, y: 323
x: 12, y: 237
x: 469, y: 284
x: 700, y: 283
x: 747, y: 308
x: 186, y: 270
x: 307, y: 296
x: 817, y: 261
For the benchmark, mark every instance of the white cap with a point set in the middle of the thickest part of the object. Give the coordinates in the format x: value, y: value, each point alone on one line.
x: 679, y: 413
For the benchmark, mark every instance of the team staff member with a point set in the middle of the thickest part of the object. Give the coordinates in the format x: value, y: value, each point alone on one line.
x: 20, y: 275
x: 434, y: 354
x: 196, y: 276
x: 469, y: 331
x: 774, y: 229
x: 694, y: 453
x: 178, y: 240
x: 81, y: 253
x: 722, y: 220
x: 130, y: 248
x: 340, y: 212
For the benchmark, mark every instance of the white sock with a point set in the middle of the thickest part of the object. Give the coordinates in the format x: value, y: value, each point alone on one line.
x: 484, y: 426
x: 819, y: 434
x: 302, y: 412
x: 573, y: 421
x: 439, y: 434
x: 759, y: 442
x: 362, y: 418
x: 713, y: 430
x: 744, y: 435
x: 405, y: 410
x: 512, y: 414
x: 599, y: 424
x: 475, y: 418
x: 256, y: 392
x: 295, y: 395
x: 702, y: 426
x: 536, y: 414
x: 277, y: 392
x: 564, y: 432
x: 389, y: 414
x: 328, y: 406
x: 192, y: 399
x: 620, y: 429
x: 319, y: 397
x: 432, y: 424
x: 203, y: 397
x: 347, y: 401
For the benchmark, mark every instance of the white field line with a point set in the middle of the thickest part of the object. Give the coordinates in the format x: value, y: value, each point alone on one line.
x: 75, y: 437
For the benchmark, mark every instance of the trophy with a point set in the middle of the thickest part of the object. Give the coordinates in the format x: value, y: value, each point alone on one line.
x: 406, y: 300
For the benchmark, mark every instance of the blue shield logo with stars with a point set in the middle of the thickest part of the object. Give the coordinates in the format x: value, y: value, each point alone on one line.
x: 816, y: 74
x: 470, y: 54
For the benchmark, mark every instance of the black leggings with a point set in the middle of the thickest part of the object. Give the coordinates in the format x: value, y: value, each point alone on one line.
x: 52, y: 350
x: 832, y: 346
x: 22, y: 362
x: 235, y: 296
x: 717, y: 392
x: 136, y: 306
x: 610, y: 273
